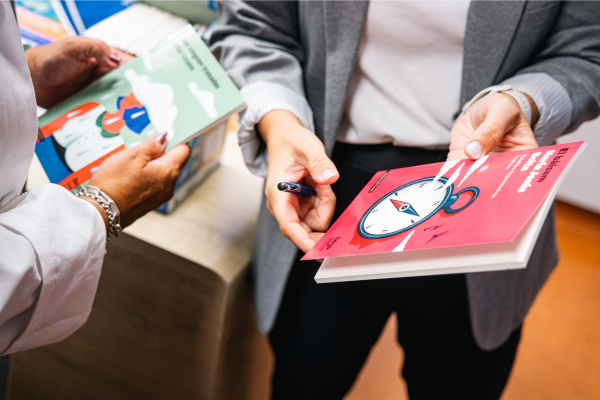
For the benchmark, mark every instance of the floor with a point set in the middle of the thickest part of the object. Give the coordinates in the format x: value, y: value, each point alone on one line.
x: 559, y: 354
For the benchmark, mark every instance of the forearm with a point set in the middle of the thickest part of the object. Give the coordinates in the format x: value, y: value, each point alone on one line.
x: 562, y: 77
x: 258, y: 45
x: 277, y: 122
x: 60, y: 243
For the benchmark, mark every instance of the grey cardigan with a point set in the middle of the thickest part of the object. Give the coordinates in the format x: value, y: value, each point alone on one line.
x: 299, y: 56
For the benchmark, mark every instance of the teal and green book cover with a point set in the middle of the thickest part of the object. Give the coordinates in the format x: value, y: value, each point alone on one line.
x: 178, y: 87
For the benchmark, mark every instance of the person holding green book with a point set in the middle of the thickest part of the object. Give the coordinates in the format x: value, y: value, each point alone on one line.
x: 52, y: 244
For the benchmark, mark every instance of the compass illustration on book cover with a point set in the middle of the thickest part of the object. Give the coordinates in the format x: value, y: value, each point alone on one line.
x: 409, y: 205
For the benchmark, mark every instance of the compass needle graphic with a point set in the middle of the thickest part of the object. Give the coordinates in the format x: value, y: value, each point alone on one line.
x: 411, y: 204
x: 404, y: 207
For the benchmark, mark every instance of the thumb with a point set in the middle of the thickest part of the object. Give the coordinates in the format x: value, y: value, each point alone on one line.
x: 177, y: 156
x: 488, y: 134
x: 151, y: 148
x: 320, y: 167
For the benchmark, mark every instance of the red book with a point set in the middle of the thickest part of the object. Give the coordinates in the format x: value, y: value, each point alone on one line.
x: 451, y: 217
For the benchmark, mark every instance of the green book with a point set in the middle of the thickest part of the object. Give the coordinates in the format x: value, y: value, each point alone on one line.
x: 178, y: 87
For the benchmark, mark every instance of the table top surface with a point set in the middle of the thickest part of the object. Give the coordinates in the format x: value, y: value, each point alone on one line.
x: 214, y: 226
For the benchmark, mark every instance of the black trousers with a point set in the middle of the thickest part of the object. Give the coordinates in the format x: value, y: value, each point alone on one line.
x: 4, y: 375
x: 324, y: 332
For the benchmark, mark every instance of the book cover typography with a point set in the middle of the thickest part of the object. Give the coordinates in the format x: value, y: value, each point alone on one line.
x: 454, y: 203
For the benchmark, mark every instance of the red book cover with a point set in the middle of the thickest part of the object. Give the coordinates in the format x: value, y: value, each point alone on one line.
x: 453, y: 203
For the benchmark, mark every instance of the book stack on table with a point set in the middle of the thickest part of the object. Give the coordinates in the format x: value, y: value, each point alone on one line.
x: 138, y: 28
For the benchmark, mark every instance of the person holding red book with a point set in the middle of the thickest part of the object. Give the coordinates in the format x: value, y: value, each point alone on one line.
x: 337, y: 91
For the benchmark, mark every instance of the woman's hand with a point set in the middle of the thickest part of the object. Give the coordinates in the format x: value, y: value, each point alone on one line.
x: 141, y: 178
x: 495, y: 124
x: 296, y: 155
x: 61, y: 69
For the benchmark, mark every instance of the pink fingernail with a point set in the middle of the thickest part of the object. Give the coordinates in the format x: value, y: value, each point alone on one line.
x: 475, y: 149
x: 161, y: 137
x: 328, y: 173
x: 115, y: 58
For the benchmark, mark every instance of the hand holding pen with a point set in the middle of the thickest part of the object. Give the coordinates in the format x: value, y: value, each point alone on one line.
x: 296, y: 154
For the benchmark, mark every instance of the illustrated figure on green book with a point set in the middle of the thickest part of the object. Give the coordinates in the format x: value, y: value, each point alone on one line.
x: 95, y: 133
x: 130, y: 112
x: 83, y: 138
x: 89, y: 132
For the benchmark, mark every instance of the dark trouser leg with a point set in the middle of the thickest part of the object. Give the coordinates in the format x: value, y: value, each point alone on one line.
x: 4, y: 375
x: 323, y: 334
x: 442, y: 360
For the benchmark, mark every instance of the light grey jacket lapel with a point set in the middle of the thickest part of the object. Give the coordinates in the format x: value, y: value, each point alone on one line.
x: 491, y: 26
x: 344, y: 24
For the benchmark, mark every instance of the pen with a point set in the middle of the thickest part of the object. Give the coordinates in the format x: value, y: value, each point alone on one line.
x: 296, y: 188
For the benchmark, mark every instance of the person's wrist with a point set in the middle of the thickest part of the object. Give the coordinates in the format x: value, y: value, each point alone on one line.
x: 532, y: 106
x: 114, y: 193
x: 276, y: 122
x: 108, y: 205
x: 522, y: 101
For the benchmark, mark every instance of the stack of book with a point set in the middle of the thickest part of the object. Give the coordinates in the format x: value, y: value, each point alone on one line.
x: 42, y: 22
x: 454, y: 217
x: 138, y: 28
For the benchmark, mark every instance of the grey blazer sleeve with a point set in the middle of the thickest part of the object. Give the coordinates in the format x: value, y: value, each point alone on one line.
x: 258, y: 45
x: 563, y: 78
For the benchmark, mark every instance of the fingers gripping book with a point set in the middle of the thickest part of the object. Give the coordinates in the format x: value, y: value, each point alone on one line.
x: 452, y: 217
x: 178, y: 87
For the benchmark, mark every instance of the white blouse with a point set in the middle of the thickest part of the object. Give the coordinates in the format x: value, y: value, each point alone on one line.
x: 51, y: 244
x: 405, y: 88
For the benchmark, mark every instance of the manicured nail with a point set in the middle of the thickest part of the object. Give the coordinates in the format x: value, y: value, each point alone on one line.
x: 115, y: 58
x: 474, y: 149
x: 161, y: 137
x: 328, y: 173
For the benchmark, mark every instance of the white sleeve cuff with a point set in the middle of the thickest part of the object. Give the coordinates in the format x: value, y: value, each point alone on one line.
x: 552, y: 101
x: 262, y: 98
x: 67, y: 243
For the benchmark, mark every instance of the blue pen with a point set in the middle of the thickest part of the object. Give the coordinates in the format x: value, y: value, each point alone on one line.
x: 296, y: 188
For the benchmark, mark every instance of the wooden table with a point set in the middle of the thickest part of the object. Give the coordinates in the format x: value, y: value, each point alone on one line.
x: 172, y: 317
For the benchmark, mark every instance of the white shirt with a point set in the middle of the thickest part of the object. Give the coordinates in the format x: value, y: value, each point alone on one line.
x: 51, y: 243
x: 405, y: 88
